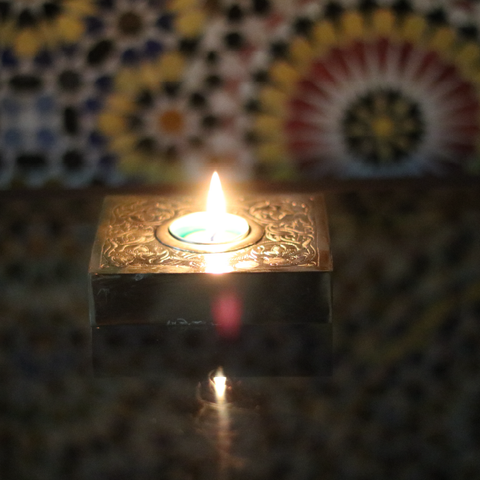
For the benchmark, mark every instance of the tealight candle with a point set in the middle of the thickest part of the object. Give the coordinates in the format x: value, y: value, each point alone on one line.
x: 214, y: 226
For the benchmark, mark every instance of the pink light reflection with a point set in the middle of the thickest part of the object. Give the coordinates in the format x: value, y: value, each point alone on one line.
x: 227, y: 310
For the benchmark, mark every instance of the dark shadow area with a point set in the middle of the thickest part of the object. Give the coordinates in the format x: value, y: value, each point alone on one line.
x: 403, y: 401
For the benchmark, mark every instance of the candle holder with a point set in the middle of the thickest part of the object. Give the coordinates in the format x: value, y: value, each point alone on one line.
x: 258, y: 306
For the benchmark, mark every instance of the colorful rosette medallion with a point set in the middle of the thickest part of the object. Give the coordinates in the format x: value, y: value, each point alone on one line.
x: 368, y: 92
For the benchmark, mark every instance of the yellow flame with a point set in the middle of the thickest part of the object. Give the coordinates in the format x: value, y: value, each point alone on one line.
x: 216, y: 199
x: 220, y: 382
x: 216, y: 207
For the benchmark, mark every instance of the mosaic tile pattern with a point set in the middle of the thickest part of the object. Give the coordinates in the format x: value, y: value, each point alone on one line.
x: 120, y: 91
x: 368, y: 91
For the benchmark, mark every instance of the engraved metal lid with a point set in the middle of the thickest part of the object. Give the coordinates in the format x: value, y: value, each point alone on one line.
x: 294, y: 235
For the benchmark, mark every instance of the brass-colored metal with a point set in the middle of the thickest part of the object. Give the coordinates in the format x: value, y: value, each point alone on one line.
x: 255, y: 233
x: 295, y: 235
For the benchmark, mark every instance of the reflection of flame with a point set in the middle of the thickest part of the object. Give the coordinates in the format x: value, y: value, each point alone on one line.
x: 224, y: 436
x: 220, y: 382
x: 216, y: 206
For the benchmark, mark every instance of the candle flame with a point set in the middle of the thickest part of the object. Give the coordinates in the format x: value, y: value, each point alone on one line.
x: 220, y: 382
x: 216, y: 207
x: 216, y: 199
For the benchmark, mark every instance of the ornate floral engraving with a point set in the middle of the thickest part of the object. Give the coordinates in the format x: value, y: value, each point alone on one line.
x: 130, y: 245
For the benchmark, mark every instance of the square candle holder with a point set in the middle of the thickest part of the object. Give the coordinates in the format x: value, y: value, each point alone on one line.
x: 257, y: 307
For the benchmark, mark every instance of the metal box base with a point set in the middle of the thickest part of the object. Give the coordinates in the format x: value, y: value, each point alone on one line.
x: 157, y: 310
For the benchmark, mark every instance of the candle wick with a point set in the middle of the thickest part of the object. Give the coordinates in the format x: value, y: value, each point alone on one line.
x: 214, y: 233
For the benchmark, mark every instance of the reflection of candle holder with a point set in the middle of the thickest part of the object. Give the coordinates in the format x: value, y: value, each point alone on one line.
x: 157, y: 306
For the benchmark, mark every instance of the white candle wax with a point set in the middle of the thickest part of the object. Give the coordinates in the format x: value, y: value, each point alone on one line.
x: 205, y: 228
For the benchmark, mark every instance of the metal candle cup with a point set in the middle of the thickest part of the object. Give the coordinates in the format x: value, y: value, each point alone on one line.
x: 215, y: 226
x: 212, y: 231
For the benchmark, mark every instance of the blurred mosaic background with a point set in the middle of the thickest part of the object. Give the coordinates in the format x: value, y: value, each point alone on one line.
x: 115, y: 93
x: 404, y: 400
x: 121, y: 91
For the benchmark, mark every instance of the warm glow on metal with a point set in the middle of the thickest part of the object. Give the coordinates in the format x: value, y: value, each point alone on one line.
x: 217, y: 264
x: 220, y: 383
x: 215, y: 199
